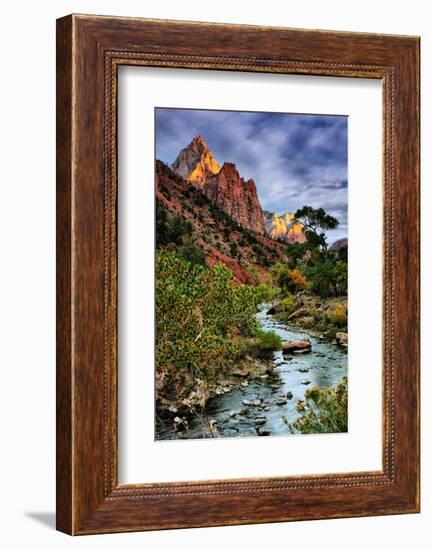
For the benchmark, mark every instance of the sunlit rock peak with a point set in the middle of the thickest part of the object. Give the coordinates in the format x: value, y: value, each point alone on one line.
x: 195, y: 163
x: 283, y: 227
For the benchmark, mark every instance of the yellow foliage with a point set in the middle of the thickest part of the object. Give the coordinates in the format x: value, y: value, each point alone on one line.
x: 299, y: 282
x: 338, y: 315
x: 288, y: 303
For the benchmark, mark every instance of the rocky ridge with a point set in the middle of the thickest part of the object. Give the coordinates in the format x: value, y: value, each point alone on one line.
x: 283, y: 227
x: 236, y: 197
x: 225, y: 186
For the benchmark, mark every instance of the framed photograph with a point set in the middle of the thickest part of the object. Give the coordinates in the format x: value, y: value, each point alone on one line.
x: 237, y: 274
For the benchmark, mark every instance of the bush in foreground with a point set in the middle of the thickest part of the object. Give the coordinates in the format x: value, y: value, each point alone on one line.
x: 324, y: 410
x: 201, y: 317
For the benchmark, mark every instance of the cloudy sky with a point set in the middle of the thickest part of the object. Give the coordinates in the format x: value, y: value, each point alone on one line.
x: 294, y: 159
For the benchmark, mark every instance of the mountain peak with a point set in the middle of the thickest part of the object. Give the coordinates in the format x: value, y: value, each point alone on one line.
x: 283, y: 226
x: 237, y: 197
x: 195, y: 163
x: 198, y: 140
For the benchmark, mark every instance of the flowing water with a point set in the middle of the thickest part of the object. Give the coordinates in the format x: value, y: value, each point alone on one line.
x: 292, y: 375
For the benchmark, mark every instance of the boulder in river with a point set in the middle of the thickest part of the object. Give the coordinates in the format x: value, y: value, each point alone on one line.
x: 260, y: 420
x: 342, y: 339
x: 306, y: 382
x: 281, y: 401
x: 290, y: 347
x: 263, y: 431
x: 289, y: 395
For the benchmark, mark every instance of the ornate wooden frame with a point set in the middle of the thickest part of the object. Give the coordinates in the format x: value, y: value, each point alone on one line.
x: 89, y: 51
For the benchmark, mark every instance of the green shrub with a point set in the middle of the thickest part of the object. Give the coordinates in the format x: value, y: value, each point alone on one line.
x: 265, y: 293
x: 268, y: 340
x: 192, y: 253
x: 323, y: 410
x: 262, y: 343
x: 200, y: 318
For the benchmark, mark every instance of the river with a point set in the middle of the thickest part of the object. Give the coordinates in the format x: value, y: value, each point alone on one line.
x: 292, y: 375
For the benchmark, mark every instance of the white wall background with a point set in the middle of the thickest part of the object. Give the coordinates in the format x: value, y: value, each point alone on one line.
x: 27, y: 308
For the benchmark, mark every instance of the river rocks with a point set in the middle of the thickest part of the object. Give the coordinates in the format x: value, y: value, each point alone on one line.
x: 173, y: 409
x: 260, y: 420
x: 301, y: 351
x: 232, y: 414
x: 301, y: 312
x: 196, y: 398
x: 212, y: 428
x: 243, y: 411
x: 289, y: 395
x: 263, y: 431
x: 303, y: 370
x: 341, y: 339
x: 240, y: 372
x: 290, y: 347
x: 266, y: 409
x: 281, y: 401
x: 244, y: 383
x: 275, y: 308
x: 306, y: 382
x: 180, y: 424
x: 219, y: 390
x: 252, y: 403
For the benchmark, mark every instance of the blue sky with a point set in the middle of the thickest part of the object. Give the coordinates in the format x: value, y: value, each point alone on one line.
x: 294, y: 159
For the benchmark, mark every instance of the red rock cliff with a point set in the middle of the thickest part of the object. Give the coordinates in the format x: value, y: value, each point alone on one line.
x: 236, y: 197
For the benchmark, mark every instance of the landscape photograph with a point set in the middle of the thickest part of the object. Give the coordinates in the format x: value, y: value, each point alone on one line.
x: 251, y: 274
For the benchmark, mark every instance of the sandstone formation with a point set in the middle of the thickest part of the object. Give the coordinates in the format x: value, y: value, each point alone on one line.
x: 283, y: 227
x: 236, y: 197
x: 195, y: 163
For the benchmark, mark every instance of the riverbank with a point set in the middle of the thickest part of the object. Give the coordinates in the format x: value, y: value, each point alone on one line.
x: 319, y: 316
x: 237, y: 373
